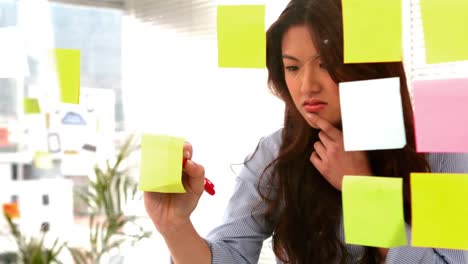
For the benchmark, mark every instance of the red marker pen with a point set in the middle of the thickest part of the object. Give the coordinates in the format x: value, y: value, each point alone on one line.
x: 209, y: 186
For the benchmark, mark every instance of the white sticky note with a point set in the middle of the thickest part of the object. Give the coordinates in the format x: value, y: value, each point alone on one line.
x: 372, y: 114
x: 13, y: 59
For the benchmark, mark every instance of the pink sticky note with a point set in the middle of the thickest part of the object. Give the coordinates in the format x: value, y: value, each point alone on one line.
x: 440, y: 113
x: 3, y: 136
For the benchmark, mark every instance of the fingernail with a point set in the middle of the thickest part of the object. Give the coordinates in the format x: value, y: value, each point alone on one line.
x: 187, y: 154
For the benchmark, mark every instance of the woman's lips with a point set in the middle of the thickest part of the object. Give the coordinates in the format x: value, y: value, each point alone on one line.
x: 313, y: 108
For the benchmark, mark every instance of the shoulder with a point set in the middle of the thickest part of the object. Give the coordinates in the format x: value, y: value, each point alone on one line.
x: 271, y: 142
x: 264, y: 153
x: 267, y: 147
x: 448, y: 162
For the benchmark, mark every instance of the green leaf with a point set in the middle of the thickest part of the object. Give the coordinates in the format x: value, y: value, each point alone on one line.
x: 78, y: 256
x: 106, y: 195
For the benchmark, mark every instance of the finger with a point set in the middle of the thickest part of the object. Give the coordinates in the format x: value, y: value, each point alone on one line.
x: 326, y: 140
x: 194, y: 170
x: 186, y: 181
x: 316, y: 161
x: 193, y: 178
x: 326, y: 127
x: 187, y: 153
x: 320, y: 150
x: 188, y: 150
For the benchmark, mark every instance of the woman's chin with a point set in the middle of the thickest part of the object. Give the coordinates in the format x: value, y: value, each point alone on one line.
x: 312, y: 125
x: 309, y: 117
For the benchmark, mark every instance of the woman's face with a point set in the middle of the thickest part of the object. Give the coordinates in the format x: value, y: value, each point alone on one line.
x: 311, y: 87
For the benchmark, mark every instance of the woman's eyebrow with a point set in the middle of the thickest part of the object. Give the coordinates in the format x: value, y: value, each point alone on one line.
x: 286, y: 56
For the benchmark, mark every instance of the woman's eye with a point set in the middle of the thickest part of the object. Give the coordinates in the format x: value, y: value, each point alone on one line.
x: 292, y: 68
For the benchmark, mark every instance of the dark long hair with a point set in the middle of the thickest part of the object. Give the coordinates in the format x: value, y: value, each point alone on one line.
x: 306, y: 212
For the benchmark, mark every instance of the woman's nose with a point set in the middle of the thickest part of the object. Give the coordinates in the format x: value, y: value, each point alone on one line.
x: 310, y: 80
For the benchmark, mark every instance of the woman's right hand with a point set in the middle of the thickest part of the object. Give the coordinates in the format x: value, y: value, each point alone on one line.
x: 169, y: 211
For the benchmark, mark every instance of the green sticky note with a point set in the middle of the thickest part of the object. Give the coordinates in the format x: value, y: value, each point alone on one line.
x: 440, y: 210
x: 67, y: 63
x: 31, y: 106
x: 445, y: 33
x: 373, y: 211
x: 161, y: 164
x: 241, y: 36
x: 43, y: 160
x: 372, y: 31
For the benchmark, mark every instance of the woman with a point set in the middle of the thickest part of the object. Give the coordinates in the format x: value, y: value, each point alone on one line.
x: 290, y: 186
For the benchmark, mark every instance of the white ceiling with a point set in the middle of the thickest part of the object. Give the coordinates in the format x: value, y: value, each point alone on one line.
x: 118, y: 4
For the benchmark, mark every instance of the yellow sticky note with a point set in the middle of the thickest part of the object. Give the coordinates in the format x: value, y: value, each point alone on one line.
x: 43, y: 160
x: 67, y: 63
x: 31, y: 106
x: 373, y: 211
x: 241, y: 36
x: 161, y: 164
x: 372, y: 31
x: 445, y: 33
x: 440, y: 210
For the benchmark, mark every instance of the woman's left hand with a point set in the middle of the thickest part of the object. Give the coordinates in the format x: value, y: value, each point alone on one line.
x: 330, y: 158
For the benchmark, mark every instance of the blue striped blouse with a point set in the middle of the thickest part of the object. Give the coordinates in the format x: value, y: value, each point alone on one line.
x: 240, y: 238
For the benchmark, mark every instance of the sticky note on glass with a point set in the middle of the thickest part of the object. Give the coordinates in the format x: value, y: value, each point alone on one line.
x: 440, y: 211
x: 373, y: 211
x: 444, y: 25
x: 3, y: 136
x: 372, y: 31
x: 67, y: 63
x: 161, y: 164
x: 372, y: 114
x: 31, y: 106
x: 43, y: 160
x: 441, y: 122
x: 241, y: 36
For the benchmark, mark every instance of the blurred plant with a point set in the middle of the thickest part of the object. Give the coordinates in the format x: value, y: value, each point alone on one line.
x: 106, y: 197
x: 33, y: 250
